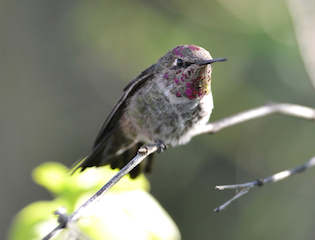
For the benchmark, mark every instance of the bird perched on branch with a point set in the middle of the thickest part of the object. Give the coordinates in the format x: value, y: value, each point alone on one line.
x: 165, y: 103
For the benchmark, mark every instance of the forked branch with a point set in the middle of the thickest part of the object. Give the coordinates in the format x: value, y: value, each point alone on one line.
x: 244, y: 188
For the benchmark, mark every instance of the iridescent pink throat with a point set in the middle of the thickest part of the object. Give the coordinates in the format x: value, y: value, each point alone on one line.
x: 196, y: 88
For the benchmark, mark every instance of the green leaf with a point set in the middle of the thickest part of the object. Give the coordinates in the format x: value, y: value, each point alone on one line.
x: 127, y: 211
x: 51, y: 175
x: 34, y: 221
x: 129, y: 215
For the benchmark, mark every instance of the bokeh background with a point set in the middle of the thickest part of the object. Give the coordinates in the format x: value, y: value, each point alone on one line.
x: 64, y: 65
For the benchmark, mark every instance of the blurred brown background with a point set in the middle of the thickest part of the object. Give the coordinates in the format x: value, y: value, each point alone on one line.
x: 64, y: 64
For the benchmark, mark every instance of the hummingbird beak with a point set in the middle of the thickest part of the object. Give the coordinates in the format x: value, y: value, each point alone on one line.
x: 211, y: 61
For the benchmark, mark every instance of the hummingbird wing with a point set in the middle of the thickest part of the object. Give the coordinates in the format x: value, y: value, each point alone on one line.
x: 111, y: 139
x: 131, y: 87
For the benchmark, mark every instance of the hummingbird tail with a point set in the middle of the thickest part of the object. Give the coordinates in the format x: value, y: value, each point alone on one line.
x: 97, y: 159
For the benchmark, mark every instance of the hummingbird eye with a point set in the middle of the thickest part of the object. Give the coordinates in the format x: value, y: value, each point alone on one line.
x: 179, y: 62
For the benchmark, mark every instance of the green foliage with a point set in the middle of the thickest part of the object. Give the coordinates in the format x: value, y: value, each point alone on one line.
x: 127, y: 211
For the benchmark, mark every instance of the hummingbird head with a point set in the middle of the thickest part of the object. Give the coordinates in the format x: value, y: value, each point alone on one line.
x: 186, y: 71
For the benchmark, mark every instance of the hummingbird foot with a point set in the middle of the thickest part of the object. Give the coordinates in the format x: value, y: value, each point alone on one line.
x: 160, y: 145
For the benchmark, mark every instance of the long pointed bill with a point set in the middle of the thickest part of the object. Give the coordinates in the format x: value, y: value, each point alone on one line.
x: 211, y: 61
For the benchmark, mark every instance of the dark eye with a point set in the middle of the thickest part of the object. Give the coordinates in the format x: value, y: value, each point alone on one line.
x: 179, y: 63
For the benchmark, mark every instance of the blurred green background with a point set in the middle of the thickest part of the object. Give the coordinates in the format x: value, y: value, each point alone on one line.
x: 64, y: 65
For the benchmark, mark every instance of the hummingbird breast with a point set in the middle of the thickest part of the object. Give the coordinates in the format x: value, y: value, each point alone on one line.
x: 155, y: 112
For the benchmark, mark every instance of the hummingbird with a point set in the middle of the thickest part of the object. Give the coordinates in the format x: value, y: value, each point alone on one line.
x: 165, y: 104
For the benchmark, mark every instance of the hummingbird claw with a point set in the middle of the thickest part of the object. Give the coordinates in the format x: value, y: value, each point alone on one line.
x: 143, y: 149
x: 161, y: 145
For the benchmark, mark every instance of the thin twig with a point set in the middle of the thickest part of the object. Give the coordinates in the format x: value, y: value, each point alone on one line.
x: 271, y: 108
x: 54, y: 232
x: 244, y: 188
x: 240, y: 193
x: 143, y: 152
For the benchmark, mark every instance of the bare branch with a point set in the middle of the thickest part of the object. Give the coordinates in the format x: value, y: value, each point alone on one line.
x: 244, y: 188
x: 271, y: 108
x: 54, y: 232
x: 237, y: 195
x: 143, y: 152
